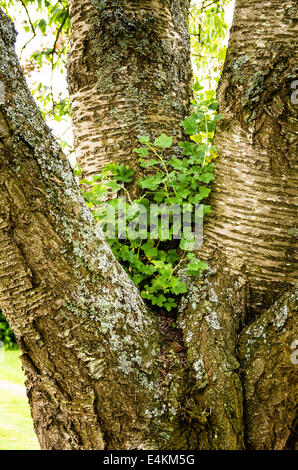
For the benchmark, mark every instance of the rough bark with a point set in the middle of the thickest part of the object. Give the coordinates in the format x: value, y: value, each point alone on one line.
x: 213, y: 404
x: 270, y: 376
x: 251, y: 233
x: 254, y: 197
x: 129, y: 74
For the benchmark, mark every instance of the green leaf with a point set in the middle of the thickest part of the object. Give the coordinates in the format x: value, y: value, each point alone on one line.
x: 160, y: 300
x: 206, y: 177
x: 149, y: 250
x: 147, y: 164
x: 170, y: 304
x: 184, y: 193
x: 178, y: 287
x: 189, y: 147
x: 195, y: 199
x: 178, y: 164
x: 77, y: 171
x: 197, y: 86
x: 206, y: 209
x: 42, y: 25
x: 143, y: 139
x: 190, y: 124
x: 172, y: 256
x: 99, y: 189
x: 187, y: 244
x: 151, y: 182
x: 213, y: 106
x: 204, y: 192
x: 159, y: 196
x: 111, y: 168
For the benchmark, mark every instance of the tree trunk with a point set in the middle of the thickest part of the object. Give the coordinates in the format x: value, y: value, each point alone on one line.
x: 129, y: 75
x: 253, y: 197
x: 270, y: 376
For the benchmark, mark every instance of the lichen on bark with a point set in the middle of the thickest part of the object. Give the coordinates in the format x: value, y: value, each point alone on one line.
x: 254, y: 195
x: 129, y: 70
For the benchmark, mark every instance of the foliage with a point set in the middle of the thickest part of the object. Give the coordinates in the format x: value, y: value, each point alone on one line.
x: 179, y: 181
x: 16, y: 427
x: 57, y: 24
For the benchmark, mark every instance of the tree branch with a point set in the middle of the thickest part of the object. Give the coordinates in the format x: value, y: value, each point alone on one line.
x: 270, y: 376
x: 90, y: 346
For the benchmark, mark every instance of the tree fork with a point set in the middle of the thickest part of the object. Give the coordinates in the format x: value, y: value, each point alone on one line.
x: 202, y: 410
x: 239, y: 260
x: 251, y: 232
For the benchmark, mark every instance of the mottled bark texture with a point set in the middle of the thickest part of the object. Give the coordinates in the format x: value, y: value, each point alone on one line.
x: 91, y: 351
x: 210, y: 317
x: 129, y: 74
x: 251, y: 232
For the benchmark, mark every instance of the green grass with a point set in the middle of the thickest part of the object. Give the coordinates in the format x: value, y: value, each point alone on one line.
x: 16, y: 428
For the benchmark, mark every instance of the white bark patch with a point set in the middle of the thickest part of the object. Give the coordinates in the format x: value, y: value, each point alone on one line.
x: 96, y: 368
